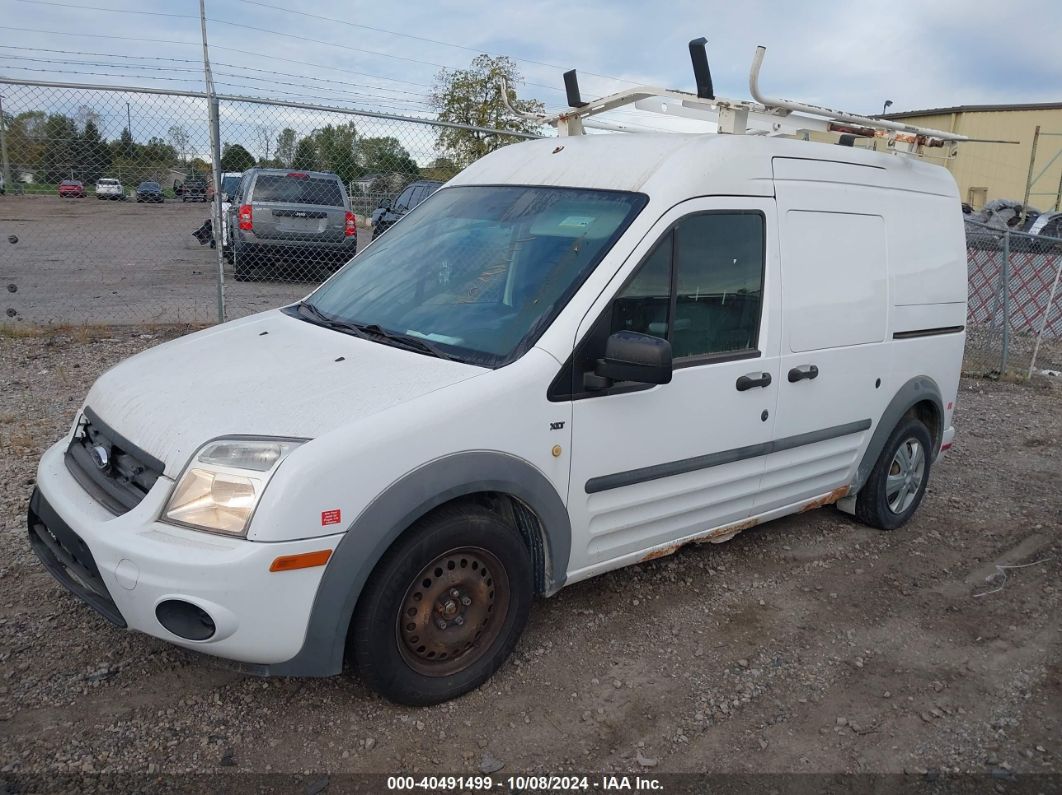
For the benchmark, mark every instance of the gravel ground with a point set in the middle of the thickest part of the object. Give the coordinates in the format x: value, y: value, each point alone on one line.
x: 87, y: 261
x: 810, y: 644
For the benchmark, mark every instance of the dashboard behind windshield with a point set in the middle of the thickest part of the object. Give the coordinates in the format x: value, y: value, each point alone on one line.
x: 480, y: 271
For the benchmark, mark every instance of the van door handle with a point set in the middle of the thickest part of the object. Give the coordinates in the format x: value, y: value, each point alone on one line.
x: 804, y: 371
x: 747, y: 382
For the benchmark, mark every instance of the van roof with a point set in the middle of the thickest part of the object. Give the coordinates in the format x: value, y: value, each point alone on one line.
x: 673, y: 166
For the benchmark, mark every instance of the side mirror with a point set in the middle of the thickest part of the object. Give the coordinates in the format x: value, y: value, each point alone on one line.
x: 225, y: 198
x: 630, y: 356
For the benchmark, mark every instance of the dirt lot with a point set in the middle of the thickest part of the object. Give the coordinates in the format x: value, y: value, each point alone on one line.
x: 90, y: 261
x: 811, y: 644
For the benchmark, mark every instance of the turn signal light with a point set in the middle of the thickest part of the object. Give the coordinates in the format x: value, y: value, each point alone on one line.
x: 305, y: 560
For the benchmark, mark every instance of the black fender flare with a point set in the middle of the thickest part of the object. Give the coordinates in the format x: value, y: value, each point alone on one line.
x: 389, y: 515
x: 919, y: 389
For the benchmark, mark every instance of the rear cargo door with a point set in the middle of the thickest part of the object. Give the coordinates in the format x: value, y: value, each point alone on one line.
x: 298, y: 207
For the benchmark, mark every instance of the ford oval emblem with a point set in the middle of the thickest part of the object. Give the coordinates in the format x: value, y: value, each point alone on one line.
x: 100, y: 456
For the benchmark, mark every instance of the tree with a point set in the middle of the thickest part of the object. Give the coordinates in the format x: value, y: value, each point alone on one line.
x: 264, y: 137
x: 126, y: 146
x: 305, y: 156
x: 26, y: 140
x: 179, y: 138
x: 336, y: 151
x: 285, y: 147
x: 91, y: 153
x: 60, y: 143
x: 473, y: 96
x: 441, y: 168
x: 235, y: 158
x: 386, y: 156
x: 87, y: 115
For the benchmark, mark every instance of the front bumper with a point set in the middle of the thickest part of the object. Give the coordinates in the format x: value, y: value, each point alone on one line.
x: 126, y: 566
x: 947, y: 439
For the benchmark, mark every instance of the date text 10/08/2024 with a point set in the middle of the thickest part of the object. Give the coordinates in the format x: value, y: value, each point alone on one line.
x: 606, y: 783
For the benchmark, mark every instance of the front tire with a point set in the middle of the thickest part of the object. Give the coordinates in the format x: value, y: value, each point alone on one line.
x: 898, y: 481
x: 444, y: 608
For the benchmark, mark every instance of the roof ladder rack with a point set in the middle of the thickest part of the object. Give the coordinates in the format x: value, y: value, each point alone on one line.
x: 763, y: 115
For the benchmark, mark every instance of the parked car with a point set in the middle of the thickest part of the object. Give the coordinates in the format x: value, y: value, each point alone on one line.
x: 109, y: 188
x: 149, y: 192
x: 570, y: 359
x: 3, y: 187
x: 193, y: 189
x: 299, y: 219
x: 71, y: 189
x: 388, y: 214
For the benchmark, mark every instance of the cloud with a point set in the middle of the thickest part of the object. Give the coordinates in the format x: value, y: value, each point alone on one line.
x: 848, y: 55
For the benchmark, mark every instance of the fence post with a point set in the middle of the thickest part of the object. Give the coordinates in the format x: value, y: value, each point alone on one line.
x: 215, y: 161
x: 1006, y: 297
x: 4, y: 162
x: 215, y: 206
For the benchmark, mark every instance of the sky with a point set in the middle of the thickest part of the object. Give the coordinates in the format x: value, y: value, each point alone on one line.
x: 385, y: 56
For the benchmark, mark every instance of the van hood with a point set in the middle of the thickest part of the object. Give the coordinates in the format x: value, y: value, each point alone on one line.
x: 266, y: 375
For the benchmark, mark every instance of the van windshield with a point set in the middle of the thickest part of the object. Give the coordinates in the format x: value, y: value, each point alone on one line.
x: 297, y: 188
x: 479, y: 271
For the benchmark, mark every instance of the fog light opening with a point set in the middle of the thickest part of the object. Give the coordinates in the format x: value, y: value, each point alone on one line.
x: 185, y: 620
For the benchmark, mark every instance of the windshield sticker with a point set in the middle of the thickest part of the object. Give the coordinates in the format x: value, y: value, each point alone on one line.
x: 576, y: 222
x: 433, y: 337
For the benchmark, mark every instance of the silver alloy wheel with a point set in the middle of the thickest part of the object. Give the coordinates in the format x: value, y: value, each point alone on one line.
x: 905, y: 475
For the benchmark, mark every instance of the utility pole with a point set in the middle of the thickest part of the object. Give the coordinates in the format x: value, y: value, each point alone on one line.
x: 215, y: 157
x: 4, y: 163
x: 128, y: 121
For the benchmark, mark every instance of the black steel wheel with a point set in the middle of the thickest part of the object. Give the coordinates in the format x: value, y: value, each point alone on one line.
x: 444, y: 607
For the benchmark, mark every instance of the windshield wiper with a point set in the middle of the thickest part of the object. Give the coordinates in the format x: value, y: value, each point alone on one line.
x: 370, y: 330
x: 404, y: 340
x: 318, y: 317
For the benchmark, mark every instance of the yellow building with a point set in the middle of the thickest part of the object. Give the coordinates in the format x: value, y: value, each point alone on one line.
x: 988, y: 171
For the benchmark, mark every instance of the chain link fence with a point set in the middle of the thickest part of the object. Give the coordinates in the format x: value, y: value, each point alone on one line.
x: 1014, y: 315
x: 108, y: 216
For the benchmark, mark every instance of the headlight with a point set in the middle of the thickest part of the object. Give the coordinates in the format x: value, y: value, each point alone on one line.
x: 222, y: 484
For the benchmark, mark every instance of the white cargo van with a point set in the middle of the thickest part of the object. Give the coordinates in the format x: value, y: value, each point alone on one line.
x: 581, y: 353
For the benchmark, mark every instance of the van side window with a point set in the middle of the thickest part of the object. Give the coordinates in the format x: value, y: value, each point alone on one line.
x: 700, y: 288
x: 645, y: 303
x: 719, y: 287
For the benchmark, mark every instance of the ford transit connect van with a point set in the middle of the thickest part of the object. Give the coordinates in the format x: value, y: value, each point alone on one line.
x: 579, y: 354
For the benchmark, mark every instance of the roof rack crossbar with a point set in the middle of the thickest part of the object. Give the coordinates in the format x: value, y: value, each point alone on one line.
x: 763, y: 116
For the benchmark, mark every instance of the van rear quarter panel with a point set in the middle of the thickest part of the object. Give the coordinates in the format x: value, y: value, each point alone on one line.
x: 925, y: 256
x: 928, y: 288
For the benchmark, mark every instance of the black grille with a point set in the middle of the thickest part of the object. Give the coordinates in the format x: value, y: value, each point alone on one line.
x: 113, y: 470
x: 67, y: 558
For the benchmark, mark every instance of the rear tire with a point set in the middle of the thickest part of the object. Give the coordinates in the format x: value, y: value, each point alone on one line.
x: 898, y: 481
x: 444, y: 607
